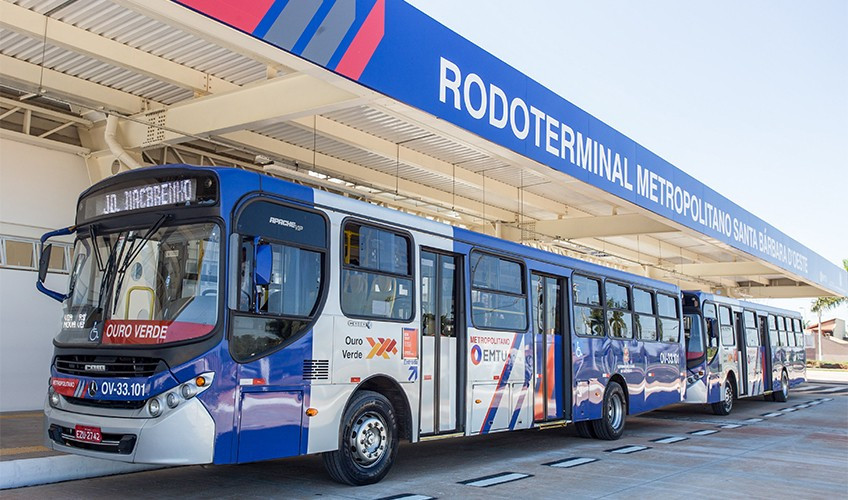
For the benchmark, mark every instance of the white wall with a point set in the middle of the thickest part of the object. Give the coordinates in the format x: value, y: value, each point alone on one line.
x: 38, y: 192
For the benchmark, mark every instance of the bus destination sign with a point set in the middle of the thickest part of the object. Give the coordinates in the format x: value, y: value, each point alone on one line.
x: 169, y: 192
x: 150, y: 196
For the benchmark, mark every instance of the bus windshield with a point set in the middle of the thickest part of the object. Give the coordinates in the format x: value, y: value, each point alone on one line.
x: 148, y: 286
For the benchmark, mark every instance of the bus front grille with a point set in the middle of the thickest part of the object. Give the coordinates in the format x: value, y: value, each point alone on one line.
x: 108, y: 366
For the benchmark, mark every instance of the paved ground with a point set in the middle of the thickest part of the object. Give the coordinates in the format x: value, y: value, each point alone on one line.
x: 797, y: 452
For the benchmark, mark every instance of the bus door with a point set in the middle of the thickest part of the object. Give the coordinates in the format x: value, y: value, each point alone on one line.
x: 742, y: 349
x: 547, y: 300
x: 441, y: 334
x: 765, y: 353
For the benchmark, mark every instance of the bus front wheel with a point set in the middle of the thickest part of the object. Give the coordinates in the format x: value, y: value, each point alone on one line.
x: 367, y: 442
x: 611, y: 424
x: 783, y: 394
x: 725, y: 406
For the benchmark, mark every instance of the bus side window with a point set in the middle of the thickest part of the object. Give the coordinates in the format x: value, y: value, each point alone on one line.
x: 726, y: 326
x: 588, y: 308
x: 669, y: 320
x: 498, y: 294
x: 376, y: 279
x: 646, y: 320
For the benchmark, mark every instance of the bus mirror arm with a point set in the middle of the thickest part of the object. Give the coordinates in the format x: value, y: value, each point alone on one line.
x: 44, y: 262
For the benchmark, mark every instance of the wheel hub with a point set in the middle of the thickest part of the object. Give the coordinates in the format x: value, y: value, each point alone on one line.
x: 615, y: 411
x: 368, y: 439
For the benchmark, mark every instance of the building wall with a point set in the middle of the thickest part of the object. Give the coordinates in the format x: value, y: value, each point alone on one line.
x: 38, y: 192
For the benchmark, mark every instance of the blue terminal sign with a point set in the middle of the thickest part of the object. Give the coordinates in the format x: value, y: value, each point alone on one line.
x: 393, y: 48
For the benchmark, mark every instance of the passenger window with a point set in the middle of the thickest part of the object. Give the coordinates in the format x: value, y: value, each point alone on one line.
x: 752, y: 337
x: 588, y: 313
x: 781, y: 331
x: 799, y: 333
x: 726, y: 326
x: 498, y: 297
x: 645, y: 319
x: 619, y: 319
x: 376, y: 276
x: 772, y: 324
x: 669, y: 318
x: 281, y: 278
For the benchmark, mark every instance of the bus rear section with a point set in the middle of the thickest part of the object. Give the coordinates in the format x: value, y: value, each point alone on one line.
x: 736, y: 349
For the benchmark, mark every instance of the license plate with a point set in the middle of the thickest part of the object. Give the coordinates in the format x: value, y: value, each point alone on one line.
x: 88, y: 434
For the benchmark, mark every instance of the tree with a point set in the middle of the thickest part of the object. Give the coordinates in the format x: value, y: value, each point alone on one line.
x: 822, y: 304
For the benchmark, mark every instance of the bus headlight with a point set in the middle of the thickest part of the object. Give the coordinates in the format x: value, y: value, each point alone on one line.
x: 154, y: 407
x: 53, y: 397
x: 173, y: 400
x: 188, y: 391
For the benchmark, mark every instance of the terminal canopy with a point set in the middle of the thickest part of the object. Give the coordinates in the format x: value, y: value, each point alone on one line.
x: 374, y: 100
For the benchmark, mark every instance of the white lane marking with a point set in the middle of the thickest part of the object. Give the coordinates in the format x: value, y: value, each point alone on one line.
x: 752, y: 421
x: 772, y: 414
x: 832, y: 389
x: 730, y: 426
x: 812, y: 388
x: 572, y: 462
x: 825, y: 400
x: 628, y: 449
x: 705, y: 432
x: 788, y: 410
x: 493, y: 480
x: 670, y: 439
x: 408, y: 497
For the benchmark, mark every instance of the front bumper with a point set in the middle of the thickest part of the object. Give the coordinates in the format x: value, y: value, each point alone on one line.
x: 183, y: 436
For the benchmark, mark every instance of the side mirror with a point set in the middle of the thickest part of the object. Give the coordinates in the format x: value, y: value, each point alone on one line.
x: 262, y: 264
x: 44, y: 262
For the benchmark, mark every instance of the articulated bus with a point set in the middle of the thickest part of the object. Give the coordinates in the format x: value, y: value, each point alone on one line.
x: 740, y: 349
x: 216, y: 315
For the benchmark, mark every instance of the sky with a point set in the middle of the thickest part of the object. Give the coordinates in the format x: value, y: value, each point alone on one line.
x: 750, y: 98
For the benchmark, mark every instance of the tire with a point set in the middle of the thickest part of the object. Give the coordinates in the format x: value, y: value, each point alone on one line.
x: 611, y: 424
x: 368, y: 441
x: 585, y: 429
x: 725, y: 406
x: 783, y: 394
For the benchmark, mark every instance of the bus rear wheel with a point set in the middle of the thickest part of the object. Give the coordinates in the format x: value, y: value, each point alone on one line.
x: 367, y: 442
x: 611, y: 424
x: 725, y: 406
x: 783, y: 394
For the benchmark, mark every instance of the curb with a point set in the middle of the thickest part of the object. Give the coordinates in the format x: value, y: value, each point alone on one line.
x: 46, y: 470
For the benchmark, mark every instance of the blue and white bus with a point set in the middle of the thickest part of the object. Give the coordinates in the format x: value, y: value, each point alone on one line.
x: 216, y: 315
x: 740, y: 349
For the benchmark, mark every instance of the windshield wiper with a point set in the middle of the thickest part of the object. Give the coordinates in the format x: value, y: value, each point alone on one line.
x: 129, y: 254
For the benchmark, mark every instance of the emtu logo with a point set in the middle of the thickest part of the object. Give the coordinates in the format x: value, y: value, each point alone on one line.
x: 381, y: 347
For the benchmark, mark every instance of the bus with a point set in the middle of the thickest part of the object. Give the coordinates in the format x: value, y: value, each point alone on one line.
x: 218, y: 315
x: 740, y: 349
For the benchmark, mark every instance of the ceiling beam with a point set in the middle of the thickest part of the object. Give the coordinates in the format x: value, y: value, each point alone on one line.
x: 80, y: 41
x: 284, y: 98
x: 597, y: 227
x: 725, y: 269
x: 70, y: 88
x: 367, y: 176
x: 497, y: 190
